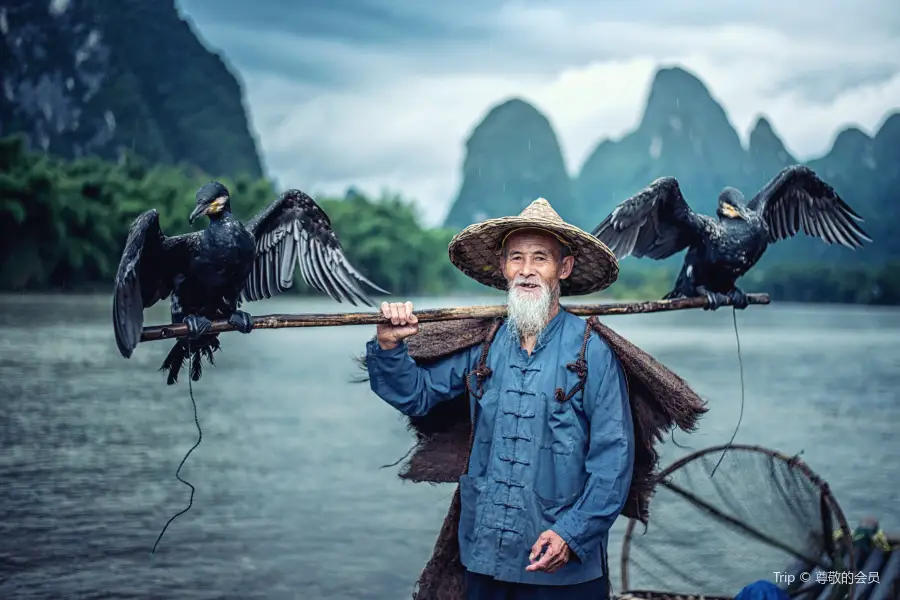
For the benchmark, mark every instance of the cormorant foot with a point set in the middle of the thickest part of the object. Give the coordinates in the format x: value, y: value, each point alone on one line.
x: 738, y: 298
x: 714, y: 300
x: 197, y: 326
x: 241, y: 321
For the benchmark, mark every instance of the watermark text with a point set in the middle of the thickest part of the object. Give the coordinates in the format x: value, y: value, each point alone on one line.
x: 826, y: 577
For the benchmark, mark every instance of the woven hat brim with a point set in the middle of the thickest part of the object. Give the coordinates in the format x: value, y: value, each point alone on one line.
x: 476, y: 252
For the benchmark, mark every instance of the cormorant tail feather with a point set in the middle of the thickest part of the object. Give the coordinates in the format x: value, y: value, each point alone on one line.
x: 178, y: 355
x: 173, y: 363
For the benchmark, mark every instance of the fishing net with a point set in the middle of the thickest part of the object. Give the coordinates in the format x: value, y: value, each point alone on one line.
x: 714, y: 529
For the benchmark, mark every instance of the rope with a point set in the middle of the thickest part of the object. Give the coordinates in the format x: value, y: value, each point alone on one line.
x: 578, y: 367
x: 737, y: 338
x: 677, y: 445
x: 399, y: 460
x: 178, y: 470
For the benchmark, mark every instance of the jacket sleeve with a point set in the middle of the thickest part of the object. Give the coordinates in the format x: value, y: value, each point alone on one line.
x: 410, y: 388
x: 610, y: 456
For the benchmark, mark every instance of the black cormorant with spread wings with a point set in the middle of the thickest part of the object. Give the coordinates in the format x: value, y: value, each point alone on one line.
x: 209, y: 273
x: 657, y: 222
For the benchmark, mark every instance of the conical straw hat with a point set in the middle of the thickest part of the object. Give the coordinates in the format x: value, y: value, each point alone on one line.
x: 476, y: 250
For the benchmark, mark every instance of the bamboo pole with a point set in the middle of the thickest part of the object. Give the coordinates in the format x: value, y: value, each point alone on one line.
x: 176, y: 330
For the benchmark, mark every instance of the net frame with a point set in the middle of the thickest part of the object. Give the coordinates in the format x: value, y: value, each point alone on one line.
x: 842, y: 550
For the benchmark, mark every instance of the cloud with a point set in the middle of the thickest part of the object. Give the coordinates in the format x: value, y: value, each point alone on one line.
x: 386, y: 97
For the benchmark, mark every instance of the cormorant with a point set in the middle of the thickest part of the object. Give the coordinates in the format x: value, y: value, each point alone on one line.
x: 209, y: 273
x: 657, y: 222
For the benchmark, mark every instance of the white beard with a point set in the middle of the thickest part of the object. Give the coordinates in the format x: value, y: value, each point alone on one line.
x: 527, y: 313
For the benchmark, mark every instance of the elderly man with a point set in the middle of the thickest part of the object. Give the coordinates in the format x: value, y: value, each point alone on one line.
x: 553, y: 449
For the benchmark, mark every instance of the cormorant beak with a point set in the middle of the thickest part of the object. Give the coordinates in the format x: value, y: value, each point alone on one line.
x: 212, y: 208
x: 200, y: 209
x: 727, y: 210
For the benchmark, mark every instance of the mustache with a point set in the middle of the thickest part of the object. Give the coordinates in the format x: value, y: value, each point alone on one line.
x: 528, y: 280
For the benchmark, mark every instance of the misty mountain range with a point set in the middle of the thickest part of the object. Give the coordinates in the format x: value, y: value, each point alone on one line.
x: 101, y: 77
x: 98, y: 75
x: 513, y: 156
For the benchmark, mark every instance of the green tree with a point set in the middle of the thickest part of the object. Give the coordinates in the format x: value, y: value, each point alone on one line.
x: 63, y: 224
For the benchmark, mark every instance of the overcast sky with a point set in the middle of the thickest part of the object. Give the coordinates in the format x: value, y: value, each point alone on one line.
x: 384, y: 93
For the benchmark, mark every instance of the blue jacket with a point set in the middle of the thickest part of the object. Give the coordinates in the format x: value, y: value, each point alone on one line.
x: 536, y: 463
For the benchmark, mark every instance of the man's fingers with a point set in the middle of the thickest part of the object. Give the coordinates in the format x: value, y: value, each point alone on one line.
x: 543, y: 540
x: 542, y: 563
x: 538, y: 546
x: 555, y: 556
x: 560, y: 556
x: 407, y: 310
x: 553, y: 566
x: 550, y: 562
x: 400, y: 314
x: 559, y: 559
x: 403, y: 310
x: 401, y: 323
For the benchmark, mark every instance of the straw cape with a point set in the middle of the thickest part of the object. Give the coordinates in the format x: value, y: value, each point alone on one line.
x: 476, y: 250
x: 660, y: 400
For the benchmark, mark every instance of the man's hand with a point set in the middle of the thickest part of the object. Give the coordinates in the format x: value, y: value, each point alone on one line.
x: 555, y: 555
x: 403, y: 324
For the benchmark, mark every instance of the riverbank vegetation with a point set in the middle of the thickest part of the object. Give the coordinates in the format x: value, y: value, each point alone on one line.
x: 63, y: 224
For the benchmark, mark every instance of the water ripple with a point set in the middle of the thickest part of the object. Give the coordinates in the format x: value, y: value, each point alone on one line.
x: 290, y: 498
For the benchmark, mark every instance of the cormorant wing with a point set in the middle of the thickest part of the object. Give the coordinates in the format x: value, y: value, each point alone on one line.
x: 796, y: 198
x: 295, y: 230
x: 656, y: 222
x: 146, y: 275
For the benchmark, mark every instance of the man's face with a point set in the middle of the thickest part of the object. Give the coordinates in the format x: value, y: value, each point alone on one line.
x: 533, y: 265
x: 533, y: 259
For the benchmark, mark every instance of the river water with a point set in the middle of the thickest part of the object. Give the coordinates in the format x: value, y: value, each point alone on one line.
x: 290, y: 498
